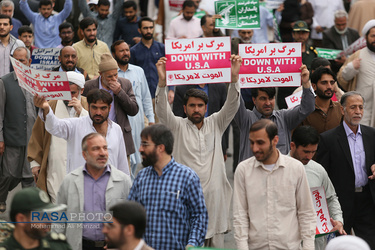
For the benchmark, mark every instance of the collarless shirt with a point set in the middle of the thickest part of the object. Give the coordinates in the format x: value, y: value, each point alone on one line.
x: 357, y: 152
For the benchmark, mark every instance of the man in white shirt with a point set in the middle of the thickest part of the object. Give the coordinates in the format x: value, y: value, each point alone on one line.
x: 75, y: 129
x: 272, y: 205
x: 186, y: 25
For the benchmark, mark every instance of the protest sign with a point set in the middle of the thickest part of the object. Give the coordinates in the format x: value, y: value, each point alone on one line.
x: 197, y: 61
x: 293, y: 100
x: 238, y: 14
x: 53, y: 85
x: 270, y: 65
x: 360, y: 43
x: 273, y: 4
x: 176, y: 5
x: 323, y: 223
x: 329, y: 54
x: 45, y: 59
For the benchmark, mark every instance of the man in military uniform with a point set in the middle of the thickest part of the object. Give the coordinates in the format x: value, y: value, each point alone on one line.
x: 301, y: 35
x: 28, y: 235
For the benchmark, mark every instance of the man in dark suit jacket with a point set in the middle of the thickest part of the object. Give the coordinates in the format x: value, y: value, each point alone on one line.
x: 347, y: 152
x: 124, y: 102
x: 339, y: 36
x: 217, y: 94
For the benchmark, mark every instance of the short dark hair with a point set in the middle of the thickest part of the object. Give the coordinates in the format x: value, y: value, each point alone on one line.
x: 65, y: 25
x: 86, y: 22
x: 144, y: 19
x: 267, y: 124
x: 89, y: 137
x: 44, y: 2
x: 95, y: 95
x: 24, y: 29
x: 347, y: 94
x: 117, y: 43
x: 2, y: 16
x: 204, y: 19
x: 104, y: 3
x: 319, y: 72
x: 304, y: 136
x: 271, y: 92
x: 129, y: 4
x: 131, y: 213
x: 197, y: 93
x: 188, y: 3
x: 160, y: 135
x: 318, y: 62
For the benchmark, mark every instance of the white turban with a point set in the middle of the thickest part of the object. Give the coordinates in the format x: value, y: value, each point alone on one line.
x: 347, y: 242
x: 370, y: 24
x: 76, y: 78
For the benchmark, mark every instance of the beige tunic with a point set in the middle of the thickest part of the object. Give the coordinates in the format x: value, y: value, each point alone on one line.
x: 201, y: 150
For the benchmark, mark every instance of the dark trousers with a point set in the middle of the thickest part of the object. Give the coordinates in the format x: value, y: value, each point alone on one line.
x: 362, y: 218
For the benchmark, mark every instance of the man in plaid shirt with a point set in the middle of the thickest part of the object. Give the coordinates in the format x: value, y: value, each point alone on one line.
x: 171, y: 194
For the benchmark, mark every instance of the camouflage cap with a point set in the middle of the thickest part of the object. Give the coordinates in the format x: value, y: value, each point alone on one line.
x: 301, y: 26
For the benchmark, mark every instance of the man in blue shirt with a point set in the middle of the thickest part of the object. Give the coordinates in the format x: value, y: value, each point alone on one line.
x: 171, y: 194
x: 127, y: 25
x: 46, y: 25
x: 146, y: 54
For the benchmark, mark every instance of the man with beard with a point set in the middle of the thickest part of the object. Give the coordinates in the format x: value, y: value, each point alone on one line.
x: 171, y: 194
x: 127, y: 25
x: 185, y: 25
x: 146, y: 54
x: 135, y: 74
x: 127, y: 228
x: 74, y: 129
x: 90, y: 49
x: 347, y: 152
x: 46, y: 153
x: 106, y: 22
x: 327, y: 113
x: 340, y: 37
x: 358, y: 73
x: 68, y: 61
x: 272, y: 205
x: 91, y: 189
x: 123, y: 102
x: 198, y: 145
x: 245, y: 37
x: 66, y: 33
x: 8, y: 44
x: 264, y: 108
x: 29, y: 235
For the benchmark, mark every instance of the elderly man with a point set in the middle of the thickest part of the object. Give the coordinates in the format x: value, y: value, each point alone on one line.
x: 245, y: 36
x: 135, y: 74
x: 68, y: 61
x: 347, y: 152
x: 48, y: 153
x: 7, y: 8
x: 339, y: 37
x: 93, y: 187
x: 358, y: 73
x: 123, y: 103
x: 74, y: 129
x: 17, y: 117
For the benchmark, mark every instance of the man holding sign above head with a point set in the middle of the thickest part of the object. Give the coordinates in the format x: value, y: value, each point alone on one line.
x: 286, y: 120
x: 304, y: 144
x: 347, y: 152
x: 198, y: 144
x: 17, y: 117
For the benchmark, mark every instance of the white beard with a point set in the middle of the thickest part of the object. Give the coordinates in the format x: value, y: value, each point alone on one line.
x: 342, y: 32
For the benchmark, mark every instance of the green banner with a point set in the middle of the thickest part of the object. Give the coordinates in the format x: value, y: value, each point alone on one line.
x: 238, y: 14
x: 330, y: 54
